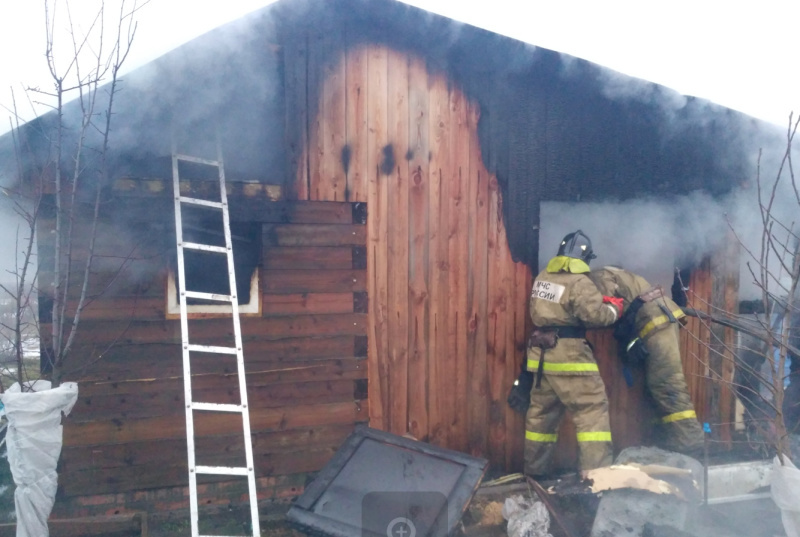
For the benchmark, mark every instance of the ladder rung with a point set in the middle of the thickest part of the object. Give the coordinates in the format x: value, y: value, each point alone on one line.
x: 221, y: 470
x: 208, y: 296
x: 197, y: 160
x: 203, y: 247
x: 217, y: 407
x: 209, y: 348
x: 198, y: 201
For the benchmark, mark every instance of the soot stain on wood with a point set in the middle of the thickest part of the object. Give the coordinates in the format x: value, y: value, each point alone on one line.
x: 346, y: 154
x: 388, y: 162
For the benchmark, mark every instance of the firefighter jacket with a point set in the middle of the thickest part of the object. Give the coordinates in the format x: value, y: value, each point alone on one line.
x: 663, y: 369
x: 563, y: 295
x: 652, y: 316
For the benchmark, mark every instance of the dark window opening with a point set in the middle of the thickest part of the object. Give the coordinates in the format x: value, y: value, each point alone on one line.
x: 207, y: 272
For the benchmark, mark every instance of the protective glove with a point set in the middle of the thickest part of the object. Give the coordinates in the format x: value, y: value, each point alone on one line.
x: 616, y: 302
x: 519, y: 397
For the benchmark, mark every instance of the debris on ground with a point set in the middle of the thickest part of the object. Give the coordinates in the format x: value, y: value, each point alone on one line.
x: 636, y: 476
x: 492, y: 514
x: 526, y: 517
x: 623, y: 512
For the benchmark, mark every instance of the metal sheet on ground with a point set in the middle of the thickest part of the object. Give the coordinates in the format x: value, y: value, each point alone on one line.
x: 379, y: 483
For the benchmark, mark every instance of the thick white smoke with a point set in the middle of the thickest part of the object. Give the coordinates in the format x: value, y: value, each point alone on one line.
x: 652, y: 236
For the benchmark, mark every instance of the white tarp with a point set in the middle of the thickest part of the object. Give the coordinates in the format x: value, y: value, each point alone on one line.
x: 34, y: 440
x: 785, y: 487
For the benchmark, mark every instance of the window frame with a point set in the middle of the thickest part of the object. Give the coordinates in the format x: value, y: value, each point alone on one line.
x: 250, y: 309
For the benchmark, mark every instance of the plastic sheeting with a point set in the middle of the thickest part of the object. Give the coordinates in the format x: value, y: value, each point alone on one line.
x: 34, y: 441
x: 785, y: 486
x: 526, y: 517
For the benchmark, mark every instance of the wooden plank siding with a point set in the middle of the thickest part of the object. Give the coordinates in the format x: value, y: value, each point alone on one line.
x: 413, y: 317
x: 305, y: 355
x: 696, y: 341
x: 448, y: 312
x: 447, y: 305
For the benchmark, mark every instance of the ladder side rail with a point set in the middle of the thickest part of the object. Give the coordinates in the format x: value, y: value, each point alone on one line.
x: 187, y: 370
x: 237, y: 330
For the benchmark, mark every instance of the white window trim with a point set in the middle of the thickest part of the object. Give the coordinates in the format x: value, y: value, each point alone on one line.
x: 252, y: 307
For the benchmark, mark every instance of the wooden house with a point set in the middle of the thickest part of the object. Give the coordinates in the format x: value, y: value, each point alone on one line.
x: 385, y: 169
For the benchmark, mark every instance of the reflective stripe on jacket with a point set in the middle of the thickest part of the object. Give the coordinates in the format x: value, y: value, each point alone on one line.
x: 567, y: 299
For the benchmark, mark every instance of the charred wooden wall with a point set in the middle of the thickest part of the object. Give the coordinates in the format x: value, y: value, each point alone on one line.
x: 305, y: 353
x: 448, y: 306
x: 388, y: 294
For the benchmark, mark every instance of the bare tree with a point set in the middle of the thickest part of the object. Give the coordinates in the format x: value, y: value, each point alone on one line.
x: 62, y: 167
x: 773, y: 266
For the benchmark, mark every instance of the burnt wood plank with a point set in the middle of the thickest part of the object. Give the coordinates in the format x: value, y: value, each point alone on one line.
x: 105, y: 525
x: 377, y: 224
x: 166, y: 398
x: 218, y: 331
x: 518, y: 333
x: 295, y: 65
x: 116, y: 283
x: 333, y: 183
x: 346, y: 367
x: 477, y: 302
x: 141, y: 360
x: 355, y: 153
x: 397, y: 241
x: 438, y: 374
x: 131, y: 213
x: 93, y: 482
x: 458, y: 256
x: 496, y: 341
x: 121, y: 308
x: 290, y: 212
x: 144, y: 454
x: 313, y: 235
x: 314, y: 281
x: 164, y: 427
x: 307, y: 258
x: 307, y: 303
x: 419, y: 216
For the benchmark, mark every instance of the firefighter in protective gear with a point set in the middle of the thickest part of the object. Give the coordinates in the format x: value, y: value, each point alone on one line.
x: 653, y: 318
x: 564, y: 302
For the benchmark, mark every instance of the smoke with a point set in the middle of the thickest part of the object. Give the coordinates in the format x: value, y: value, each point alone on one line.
x: 654, y: 235
x: 12, y: 248
x: 647, y: 236
x: 217, y: 83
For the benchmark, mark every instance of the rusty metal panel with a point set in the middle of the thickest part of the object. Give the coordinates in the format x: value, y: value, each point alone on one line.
x: 382, y: 484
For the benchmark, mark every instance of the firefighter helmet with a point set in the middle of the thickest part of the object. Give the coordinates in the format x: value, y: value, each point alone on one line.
x: 577, y: 245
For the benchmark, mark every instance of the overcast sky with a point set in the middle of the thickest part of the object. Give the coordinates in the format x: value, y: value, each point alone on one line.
x: 738, y: 54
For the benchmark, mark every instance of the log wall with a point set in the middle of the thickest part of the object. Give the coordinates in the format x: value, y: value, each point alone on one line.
x: 305, y: 354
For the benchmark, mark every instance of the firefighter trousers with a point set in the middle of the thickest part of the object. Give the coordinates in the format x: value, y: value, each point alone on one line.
x: 584, y: 396
x: 680, y: 430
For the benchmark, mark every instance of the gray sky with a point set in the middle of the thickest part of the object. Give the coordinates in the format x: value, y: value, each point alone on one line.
x: 739, y: 54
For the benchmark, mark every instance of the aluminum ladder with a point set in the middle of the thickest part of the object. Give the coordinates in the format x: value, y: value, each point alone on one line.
x: 183, y: 294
